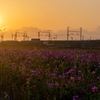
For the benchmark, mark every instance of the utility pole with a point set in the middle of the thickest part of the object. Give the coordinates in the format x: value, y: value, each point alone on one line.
x: 18, y: 33
x: 47, y: 32
x: 56, y: 37
x: 80, y: 33
x: 68, y: 32
x: 67, y: 35
x: 39, y: 33
x: 82, y: 37
x: 49, y: 36
x: 12, y: 36
x: 90, y: 38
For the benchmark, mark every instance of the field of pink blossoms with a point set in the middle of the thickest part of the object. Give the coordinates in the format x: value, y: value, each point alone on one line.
x: 49, y: 74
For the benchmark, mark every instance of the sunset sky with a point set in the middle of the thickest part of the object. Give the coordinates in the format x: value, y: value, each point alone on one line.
x: 54, y: 15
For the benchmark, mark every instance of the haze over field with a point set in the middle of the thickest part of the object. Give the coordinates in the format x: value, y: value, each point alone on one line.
x: 54, y: 15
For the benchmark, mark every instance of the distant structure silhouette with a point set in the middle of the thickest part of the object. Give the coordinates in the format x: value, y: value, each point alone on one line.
x: 71, y: 32
x: 47, y: 34
x: 2, y: 33
x: 18, y: 33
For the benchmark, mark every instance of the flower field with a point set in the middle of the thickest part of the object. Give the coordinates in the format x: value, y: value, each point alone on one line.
x: 49, y: 74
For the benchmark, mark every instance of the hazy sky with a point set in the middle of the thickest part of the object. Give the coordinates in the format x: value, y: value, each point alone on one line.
x: 50, y: 14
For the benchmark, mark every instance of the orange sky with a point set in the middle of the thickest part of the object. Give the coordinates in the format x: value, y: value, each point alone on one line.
x: 50, y: 14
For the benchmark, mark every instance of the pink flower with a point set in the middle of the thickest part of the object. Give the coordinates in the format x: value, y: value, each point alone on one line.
x: 29, y: 62
x: 98, y: 77
x: 75, y: 67
x: 33, y: 71
x: 93, y: 72
x: 11, y: 72
x: 94, y: 89
x: 79, y: 72
x: 78, y: 77
x: 72, y: 79
x: 51, y: 85
x: 53, y: 74
x: 27, y: 76
x: 60, y: 76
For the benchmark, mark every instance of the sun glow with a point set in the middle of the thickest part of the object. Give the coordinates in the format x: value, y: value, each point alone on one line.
x: 0, y: 20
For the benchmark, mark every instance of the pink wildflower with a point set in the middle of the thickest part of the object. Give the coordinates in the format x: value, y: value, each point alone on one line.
x: 94, y: 89
x: 72, y: 79
x: 93, y: 72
